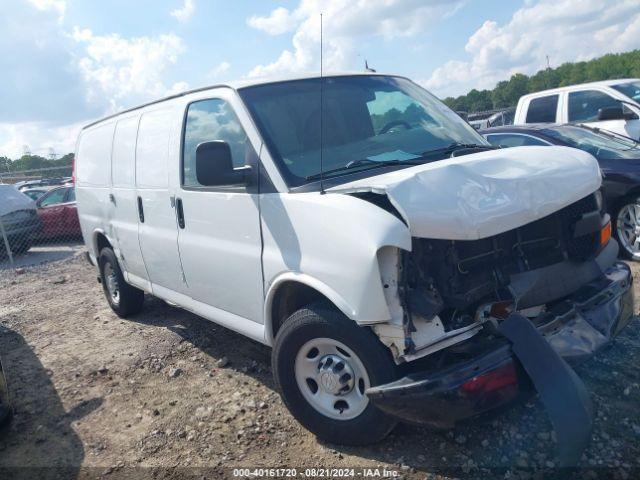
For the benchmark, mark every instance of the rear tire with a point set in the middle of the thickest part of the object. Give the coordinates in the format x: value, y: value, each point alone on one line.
x: 123, y: 298
x: 318, y: 340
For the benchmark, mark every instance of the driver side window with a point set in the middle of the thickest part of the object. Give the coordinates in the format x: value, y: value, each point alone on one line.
x: 57, y: 196
x: 210, y: 120
x: 584, y: 106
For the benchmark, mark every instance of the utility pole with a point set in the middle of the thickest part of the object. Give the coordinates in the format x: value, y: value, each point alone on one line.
x: 548, y: 72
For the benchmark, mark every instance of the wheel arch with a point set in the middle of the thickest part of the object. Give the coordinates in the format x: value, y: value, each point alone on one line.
x: 618, y: 203
x: 99, y: 241
x: 291, y: 291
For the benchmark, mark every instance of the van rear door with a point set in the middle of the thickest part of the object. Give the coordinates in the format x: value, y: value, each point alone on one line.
x: 123, y: 202
x: 158, y: 230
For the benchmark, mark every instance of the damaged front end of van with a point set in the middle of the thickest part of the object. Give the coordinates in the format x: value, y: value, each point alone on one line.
x: 512, y: 276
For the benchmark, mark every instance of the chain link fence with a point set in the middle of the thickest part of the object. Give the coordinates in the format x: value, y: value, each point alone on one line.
x: 38, y: 217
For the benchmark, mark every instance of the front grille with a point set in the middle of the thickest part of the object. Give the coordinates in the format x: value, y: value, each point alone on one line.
x: 585, y: 246
x: 468, y: 270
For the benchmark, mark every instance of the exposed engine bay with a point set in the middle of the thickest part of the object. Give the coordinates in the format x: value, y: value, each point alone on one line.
x: 443, y: 291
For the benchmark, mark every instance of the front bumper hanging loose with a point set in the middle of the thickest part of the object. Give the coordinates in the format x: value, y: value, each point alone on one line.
x: 533, y: 352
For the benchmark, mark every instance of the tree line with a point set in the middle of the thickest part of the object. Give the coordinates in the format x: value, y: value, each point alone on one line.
x: 34, y: 162
x: 507, y: 92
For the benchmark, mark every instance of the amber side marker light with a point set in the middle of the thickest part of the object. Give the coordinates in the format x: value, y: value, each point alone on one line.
x: 605, y: 234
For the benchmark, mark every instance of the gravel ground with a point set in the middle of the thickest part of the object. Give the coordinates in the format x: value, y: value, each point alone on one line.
x: 103, y: 397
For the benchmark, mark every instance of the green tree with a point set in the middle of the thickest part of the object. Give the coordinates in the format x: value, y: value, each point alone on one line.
x: 507, y: 92
x: 5, y: 164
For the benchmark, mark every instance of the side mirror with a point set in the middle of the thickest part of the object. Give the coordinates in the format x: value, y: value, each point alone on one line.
x: 214, y: 166
x: 611, y: 113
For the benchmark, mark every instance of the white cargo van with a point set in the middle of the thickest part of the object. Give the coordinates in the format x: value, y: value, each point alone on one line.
x: 396, y: 261
x: 612, y: 105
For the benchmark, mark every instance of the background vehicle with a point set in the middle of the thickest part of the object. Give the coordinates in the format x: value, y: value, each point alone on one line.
x: 357, y: 236
x: 611, y: 105
x: 619, y: 159
x: 43, y: 182
x: 35, y: 193
x: 19, y: 220
x: 491, y: 118
x: 59, y: 213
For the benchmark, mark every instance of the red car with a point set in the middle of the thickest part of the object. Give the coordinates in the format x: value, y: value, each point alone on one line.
x: 58, y: 212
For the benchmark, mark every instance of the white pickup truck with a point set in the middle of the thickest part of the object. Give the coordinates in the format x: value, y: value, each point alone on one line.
x: 400, y: 266
x: 612, y: 105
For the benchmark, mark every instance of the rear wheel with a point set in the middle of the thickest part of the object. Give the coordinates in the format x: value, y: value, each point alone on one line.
x: 627, y: 230
x: 323, y: 363
x: 123, y: 298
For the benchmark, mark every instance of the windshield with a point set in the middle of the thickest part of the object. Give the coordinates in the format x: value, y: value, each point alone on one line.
x: 601, y: 144
x: 630, y: 89
x: 366, y: 119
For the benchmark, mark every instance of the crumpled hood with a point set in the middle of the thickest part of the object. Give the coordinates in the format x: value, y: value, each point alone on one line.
x: 487, y: 193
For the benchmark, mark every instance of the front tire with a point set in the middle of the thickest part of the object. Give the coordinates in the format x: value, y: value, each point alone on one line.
x: 123, y: 298
x: 322, y: 364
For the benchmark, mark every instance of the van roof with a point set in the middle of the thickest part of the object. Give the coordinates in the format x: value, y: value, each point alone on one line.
x: 603, y: 83
x: 237, y: 85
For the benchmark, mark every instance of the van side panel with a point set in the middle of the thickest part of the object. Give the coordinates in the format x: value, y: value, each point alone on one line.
x: 158, y: 234
x: 123, y: 207
x: 93, y: 179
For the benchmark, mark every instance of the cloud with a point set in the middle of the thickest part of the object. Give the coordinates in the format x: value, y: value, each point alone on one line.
x: 124, y: 70
x: 55, y: 80
x: 185, y: 13
x: 219, y: 70
x: 38, y: 75
x: 566, y: 30
x: 39, y: 137
x: 344, y: 23
x: 177, y: 87
x: 58, y: 6
x: 277, y: 22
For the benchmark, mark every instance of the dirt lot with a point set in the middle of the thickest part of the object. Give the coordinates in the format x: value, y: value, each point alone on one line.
x: 103, y: 397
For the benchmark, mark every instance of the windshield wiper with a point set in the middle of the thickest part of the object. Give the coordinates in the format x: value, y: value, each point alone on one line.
x: 366, y: 163
x: 613, y: 135
x: 457, y: 146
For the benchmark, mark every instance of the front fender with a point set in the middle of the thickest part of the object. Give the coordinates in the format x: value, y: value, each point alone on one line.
x: 330, y: 243
x: 309, y: 281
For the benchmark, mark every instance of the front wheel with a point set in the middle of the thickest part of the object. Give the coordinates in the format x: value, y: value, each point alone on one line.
x: 323, y: 363
x: 627, y: 230
x: 123, y: 298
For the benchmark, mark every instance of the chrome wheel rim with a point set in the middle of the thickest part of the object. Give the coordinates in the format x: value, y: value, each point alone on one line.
x: 332, y: 378
x: 628, y: 228
x: 111, y: 281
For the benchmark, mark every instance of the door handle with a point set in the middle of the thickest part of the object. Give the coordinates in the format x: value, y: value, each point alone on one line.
x: 140, y: 210
x: 180, y: 212
x: 112, y: 199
